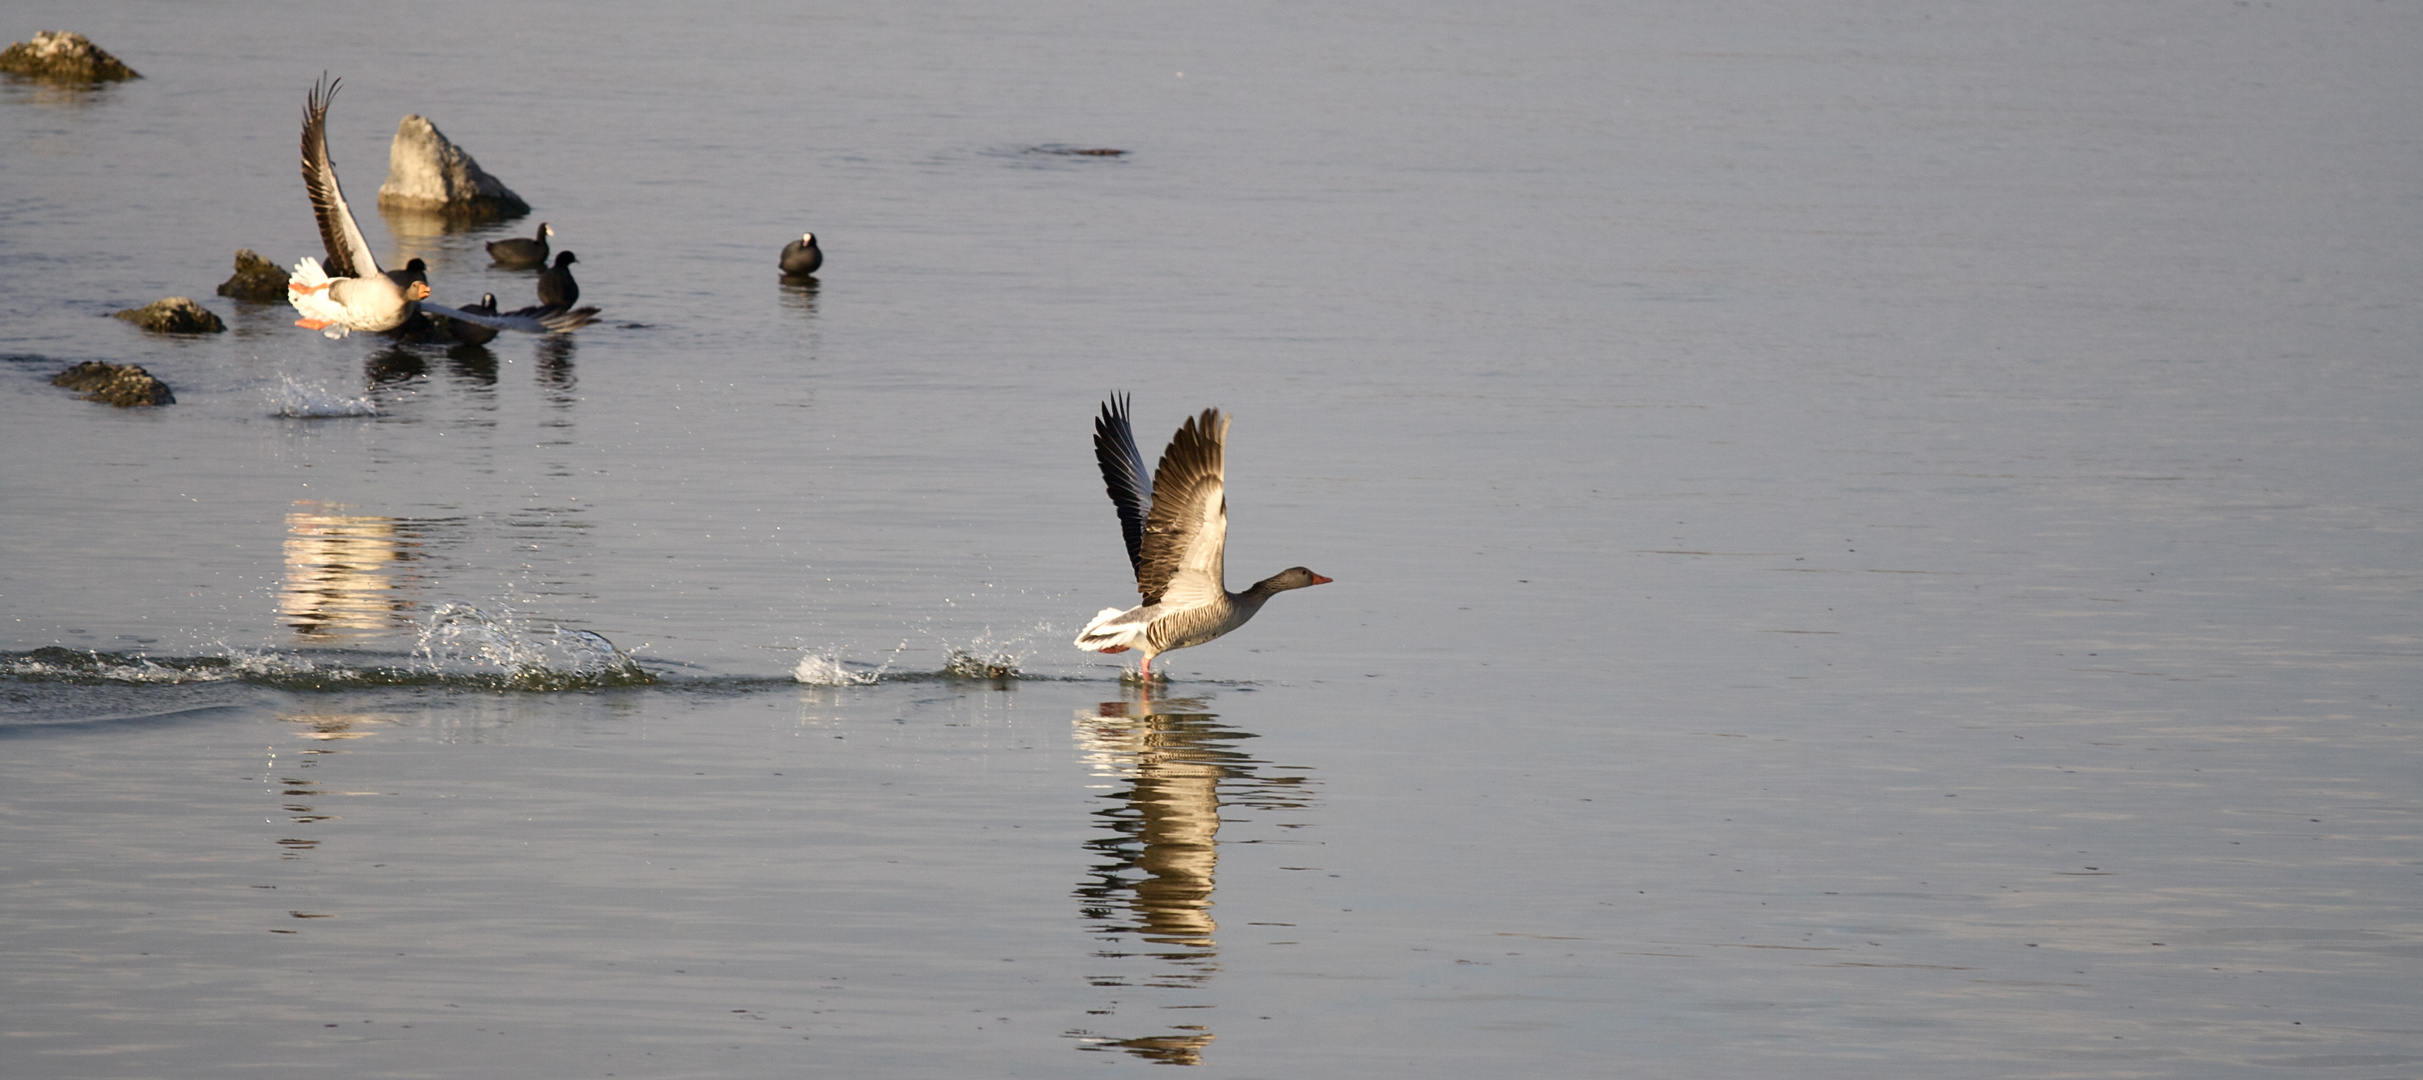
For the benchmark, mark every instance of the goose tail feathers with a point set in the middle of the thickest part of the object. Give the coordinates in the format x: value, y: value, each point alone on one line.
x: 1114, y: 630
x: 307, y: 290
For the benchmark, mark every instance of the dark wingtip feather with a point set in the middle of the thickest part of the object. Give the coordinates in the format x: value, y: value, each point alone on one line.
x: 319, y: 177
x: 1123, y: 475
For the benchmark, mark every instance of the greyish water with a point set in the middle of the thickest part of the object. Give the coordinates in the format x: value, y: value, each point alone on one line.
x: 1871, y: 540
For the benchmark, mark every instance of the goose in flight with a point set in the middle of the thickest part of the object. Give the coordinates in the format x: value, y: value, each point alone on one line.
x: 350, y: 292
x: 1176, y: 526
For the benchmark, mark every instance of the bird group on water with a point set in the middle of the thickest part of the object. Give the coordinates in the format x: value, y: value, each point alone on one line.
x: 349, y: 292
x: 1174, y: 519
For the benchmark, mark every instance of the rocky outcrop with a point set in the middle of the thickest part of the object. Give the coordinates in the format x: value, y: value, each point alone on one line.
x: 63, y: 56
x: 256, y: 281
x: 175, y: 315
x: 429, y: 174
x: 122, y: 385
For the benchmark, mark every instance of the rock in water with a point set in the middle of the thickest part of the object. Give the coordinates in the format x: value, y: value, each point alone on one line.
x: 63, y: 56
x: 175, y: 315
x: 257, y: 280
x: 427, y: 173
x: 122, y: 385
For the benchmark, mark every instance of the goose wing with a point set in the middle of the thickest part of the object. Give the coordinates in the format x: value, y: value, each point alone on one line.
x: 348, y: 254
x: 1123, y: 473
x: 1186, y: 531
x: 529, y: 320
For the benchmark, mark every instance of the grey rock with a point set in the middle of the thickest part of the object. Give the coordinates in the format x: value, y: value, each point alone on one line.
x: 256, y: 281
x: 63, y: 56
x: 122, y: 385
x: 428, y: 173
x: 175, y: 315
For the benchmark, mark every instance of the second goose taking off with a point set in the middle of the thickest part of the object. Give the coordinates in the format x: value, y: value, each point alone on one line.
x: 1175, y: 522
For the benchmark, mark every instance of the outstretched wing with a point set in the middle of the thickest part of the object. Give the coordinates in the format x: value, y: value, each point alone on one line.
x: 1186, y: 532
x: 348, y: 254
x: 529, y: 320
x: 1123, y: 473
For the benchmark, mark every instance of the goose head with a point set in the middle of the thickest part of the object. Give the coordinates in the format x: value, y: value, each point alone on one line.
x: 1294, y: 577
x: 413, y: 279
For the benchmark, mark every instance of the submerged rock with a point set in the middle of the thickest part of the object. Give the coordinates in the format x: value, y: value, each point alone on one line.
x: 256, y: 281
x: 63, y: 56
x: 428, y: 173
x: 175, y: 315
x: 122, y: 385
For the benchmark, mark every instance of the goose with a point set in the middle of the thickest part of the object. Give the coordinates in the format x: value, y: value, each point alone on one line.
x: 1176, y: 526
x: 801, y: 257
x: 516, y: 253
x: 350, y: 292
x: 556, y: 289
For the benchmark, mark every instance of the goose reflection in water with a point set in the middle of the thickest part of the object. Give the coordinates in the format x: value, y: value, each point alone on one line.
x: 1148, y: 897
x: 346, y: 573
x: 300, y: 796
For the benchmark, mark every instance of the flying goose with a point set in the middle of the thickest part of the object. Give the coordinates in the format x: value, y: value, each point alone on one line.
x: 1176, y: 526
x: 350, y: 292
x: 516, y: 253
x: 801, y: 257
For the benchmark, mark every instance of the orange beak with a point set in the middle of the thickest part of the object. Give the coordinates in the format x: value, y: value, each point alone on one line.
x: 1319, y: 580
x: 418, y: 291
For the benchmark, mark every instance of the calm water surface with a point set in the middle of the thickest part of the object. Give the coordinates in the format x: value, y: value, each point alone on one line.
x: 1873, y: 541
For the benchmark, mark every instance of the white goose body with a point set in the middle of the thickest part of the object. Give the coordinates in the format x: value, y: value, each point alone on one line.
x: 1176, y: 527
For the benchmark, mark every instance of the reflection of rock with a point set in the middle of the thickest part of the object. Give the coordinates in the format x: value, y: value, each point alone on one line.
x: 175, y: 315
x: 63, y: 56
x: 1163, y: 1049
x: 122, y: 385
x: 256, y: 281
x: 426, y: 172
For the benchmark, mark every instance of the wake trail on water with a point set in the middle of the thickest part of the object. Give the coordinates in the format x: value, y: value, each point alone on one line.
x: 462, y: 646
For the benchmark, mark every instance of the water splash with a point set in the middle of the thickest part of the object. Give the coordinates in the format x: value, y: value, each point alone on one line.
x: 829, y: 669
x: 817, y: 670
x: 463, y: 641
x: 988, y: 665
x: 312, y: 401
x: 989, y: 657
